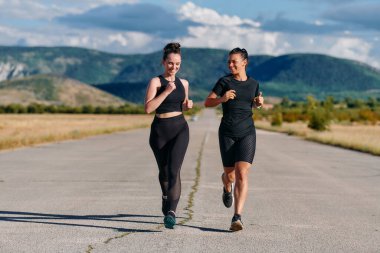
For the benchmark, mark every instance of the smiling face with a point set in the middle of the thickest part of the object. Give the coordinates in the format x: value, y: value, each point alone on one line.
x: 236, y: 63
x: 172, y: 64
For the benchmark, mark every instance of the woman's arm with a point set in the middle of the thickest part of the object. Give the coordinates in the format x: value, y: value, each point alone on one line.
x: 187, y: 103
x: 152, y: 102
x: 213, y: 100
x: 259, y: 100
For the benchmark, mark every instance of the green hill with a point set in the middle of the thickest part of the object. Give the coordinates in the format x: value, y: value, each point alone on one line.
x: 88, y: 66
x: 55, y: 90
x: 126, y: 76
x: 320, y: 75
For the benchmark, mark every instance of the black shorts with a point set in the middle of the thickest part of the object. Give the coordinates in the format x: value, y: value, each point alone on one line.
x: 237, y: 149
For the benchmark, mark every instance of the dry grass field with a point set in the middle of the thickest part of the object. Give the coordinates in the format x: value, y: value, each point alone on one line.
x: 365, y: 138
x: 31, y: 129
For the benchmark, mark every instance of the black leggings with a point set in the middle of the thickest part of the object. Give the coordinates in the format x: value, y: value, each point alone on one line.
x: 237, y: 149
x: 169, y: 138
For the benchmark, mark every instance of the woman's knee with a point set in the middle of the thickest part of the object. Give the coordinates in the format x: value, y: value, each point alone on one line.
x: 229, y: 173
x: 242, y: 170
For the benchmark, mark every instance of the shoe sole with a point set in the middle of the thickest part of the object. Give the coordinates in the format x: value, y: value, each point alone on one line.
x: 169, y: 222
x: 236, y: 226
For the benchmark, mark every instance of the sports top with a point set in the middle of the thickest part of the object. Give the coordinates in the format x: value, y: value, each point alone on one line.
x: 173, y: 102
x: 237, y: 113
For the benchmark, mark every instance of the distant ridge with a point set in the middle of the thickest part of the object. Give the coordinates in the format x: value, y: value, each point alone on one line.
x: 126, y: 76
x: 54, y: 90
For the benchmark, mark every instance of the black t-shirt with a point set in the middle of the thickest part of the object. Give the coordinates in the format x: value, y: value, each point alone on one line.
x: 237, y: 113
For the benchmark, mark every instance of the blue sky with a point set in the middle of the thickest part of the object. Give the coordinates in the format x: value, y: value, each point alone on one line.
x: 341, y: 28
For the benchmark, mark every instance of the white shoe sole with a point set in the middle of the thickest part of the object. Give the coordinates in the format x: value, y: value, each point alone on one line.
x: 236, y: 226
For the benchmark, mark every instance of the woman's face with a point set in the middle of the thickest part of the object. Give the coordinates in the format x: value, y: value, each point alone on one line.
x: 236, y: 63
x: 172, y: 63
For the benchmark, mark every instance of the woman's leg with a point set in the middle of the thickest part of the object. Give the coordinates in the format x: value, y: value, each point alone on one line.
x: 241, y: 185
x: 228, y: 178
x: 160, y: 148
x: 245, y: 153
x: 227, y: 152
x: 176, y: 156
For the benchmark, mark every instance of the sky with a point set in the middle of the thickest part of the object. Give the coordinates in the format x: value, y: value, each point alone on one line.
x: 341, y: 28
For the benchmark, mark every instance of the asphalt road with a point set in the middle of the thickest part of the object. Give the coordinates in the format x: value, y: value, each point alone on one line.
x: 102, y: 194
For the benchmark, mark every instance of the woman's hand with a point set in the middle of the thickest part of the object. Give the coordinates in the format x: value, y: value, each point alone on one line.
x: 259, y: 101
x: 188, y: 103
x: 230, y: 94
x: 170, y: 87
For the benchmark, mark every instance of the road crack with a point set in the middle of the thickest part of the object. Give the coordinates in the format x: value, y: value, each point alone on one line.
x: 190, y: 201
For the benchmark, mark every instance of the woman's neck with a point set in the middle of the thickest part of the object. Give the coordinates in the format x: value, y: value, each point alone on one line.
x: 241, y: 76
x: 169, y: 77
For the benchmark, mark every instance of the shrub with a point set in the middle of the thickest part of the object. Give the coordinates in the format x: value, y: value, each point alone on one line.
x: 319, y: 119
x: 276, y: 119
x: 368, y: 116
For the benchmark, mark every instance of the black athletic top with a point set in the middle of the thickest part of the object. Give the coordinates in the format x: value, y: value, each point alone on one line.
x: 173, y: 102
x: 237, y: 113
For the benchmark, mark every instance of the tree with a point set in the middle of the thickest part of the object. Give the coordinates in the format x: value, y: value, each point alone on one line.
x: 277, y: 119
x: 319, y: 119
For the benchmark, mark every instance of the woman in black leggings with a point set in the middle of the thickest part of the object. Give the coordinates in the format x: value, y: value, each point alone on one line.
x: 237, y: 93
x: 167, y: 95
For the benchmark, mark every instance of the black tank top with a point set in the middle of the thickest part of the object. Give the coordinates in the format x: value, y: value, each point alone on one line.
x: 173, y: 102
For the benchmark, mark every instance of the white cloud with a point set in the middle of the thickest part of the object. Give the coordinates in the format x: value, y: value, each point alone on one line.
x: 206, y: 16
x: 211, y: 29
x: 253, y: 40
x: 133, y: 40
x: 118, y: 38
x: 227, y: 32
x: 121, y: 42
x: 352, y: 48
x: 35, y: 10
x: 96, y: 3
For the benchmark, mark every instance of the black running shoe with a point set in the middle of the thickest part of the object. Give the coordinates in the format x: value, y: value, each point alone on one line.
x: 236, y: 223
x: 228, y: 198
x: 169, y: 220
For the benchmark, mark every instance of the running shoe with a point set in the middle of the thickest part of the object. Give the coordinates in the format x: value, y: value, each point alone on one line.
x: 169, y: 220
x: 236, y: 223
x: 227, y: 197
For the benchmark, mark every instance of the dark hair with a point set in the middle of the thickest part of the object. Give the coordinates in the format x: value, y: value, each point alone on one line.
x: 241, y: 51
x: 172, y: 47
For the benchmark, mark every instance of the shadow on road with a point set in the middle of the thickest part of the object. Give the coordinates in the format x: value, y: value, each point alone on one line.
x: 39, y: 218
x: 42, y: 218
x: 208, y: 229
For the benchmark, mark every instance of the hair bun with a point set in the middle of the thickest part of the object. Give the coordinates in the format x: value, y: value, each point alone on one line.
x: 173, y: 47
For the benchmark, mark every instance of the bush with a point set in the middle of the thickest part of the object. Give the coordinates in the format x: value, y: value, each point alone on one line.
x: 368, y: 116
x: 88, y: 109
x: 35, y: 108
x: 14, y: 108
x: 319, y: 119
x: 276, y: 119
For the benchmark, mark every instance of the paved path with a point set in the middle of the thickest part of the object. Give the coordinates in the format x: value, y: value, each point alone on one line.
x: 102, y: 195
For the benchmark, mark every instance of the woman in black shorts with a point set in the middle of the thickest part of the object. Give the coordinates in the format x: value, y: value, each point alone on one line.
x: 167, y: 95
x: 238, y: 94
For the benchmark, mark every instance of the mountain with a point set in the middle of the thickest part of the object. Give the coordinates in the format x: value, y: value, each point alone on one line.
x: 47, y: 89
x: 88, y: 66
x: 126, y: 76
x: 321, y: 75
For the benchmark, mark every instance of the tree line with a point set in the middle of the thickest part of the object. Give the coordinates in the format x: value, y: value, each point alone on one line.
x: 320, y: 113
x: 37, y: 108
